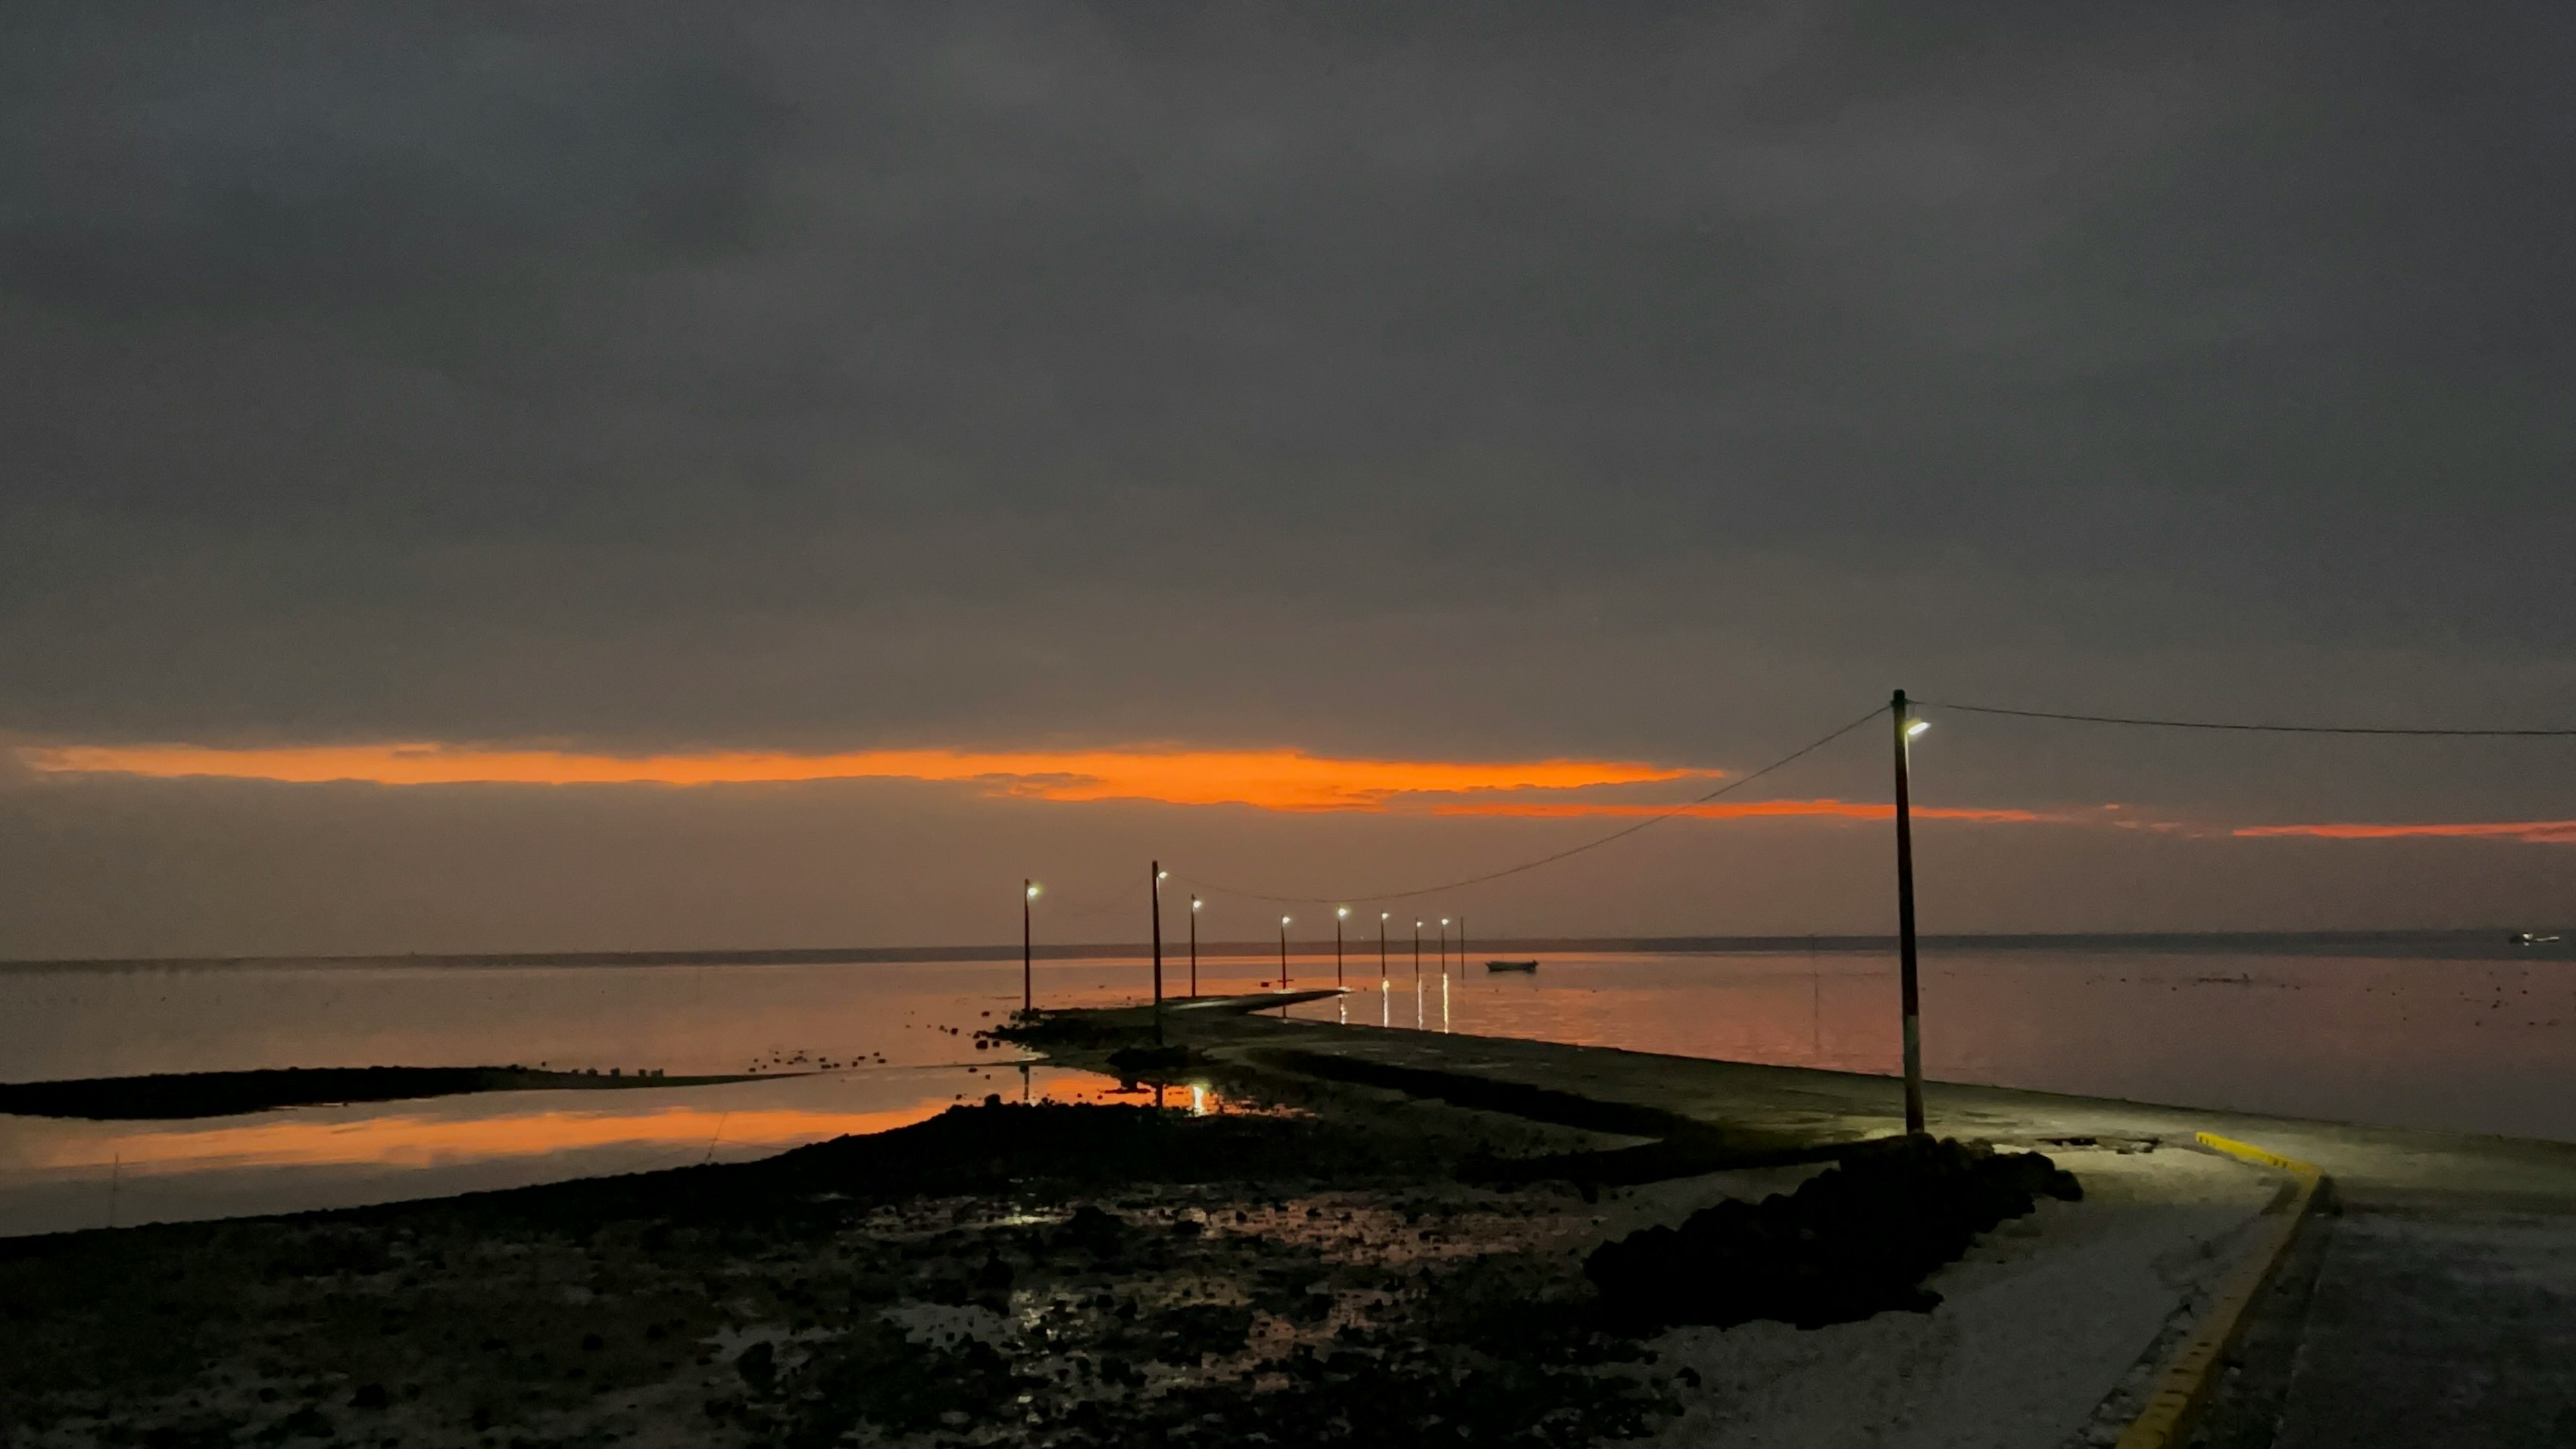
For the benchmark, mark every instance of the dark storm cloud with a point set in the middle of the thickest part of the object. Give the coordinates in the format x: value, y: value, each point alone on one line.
x: 784, y: 374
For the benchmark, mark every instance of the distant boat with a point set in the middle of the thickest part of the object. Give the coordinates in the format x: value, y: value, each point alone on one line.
x: 1511, y: 965
x: 2525, y: 938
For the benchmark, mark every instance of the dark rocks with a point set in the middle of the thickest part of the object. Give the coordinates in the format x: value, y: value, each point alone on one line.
x: 758, y: 1366
x: 1852, y: 1241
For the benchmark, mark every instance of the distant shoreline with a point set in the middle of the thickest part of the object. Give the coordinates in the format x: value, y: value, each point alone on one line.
x: 2485, y: 944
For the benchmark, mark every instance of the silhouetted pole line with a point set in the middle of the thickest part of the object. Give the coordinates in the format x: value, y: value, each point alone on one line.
x: 1194, y: 947
x: 1622, y: 833
x: 1028, y: 990
x: 1157, y: 868
x: 2269, y: 729
x: 1911, y: 1004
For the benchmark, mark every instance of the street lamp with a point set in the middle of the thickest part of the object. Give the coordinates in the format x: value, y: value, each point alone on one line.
x: 1907, y: 727
x: 1340, y: 914
x: 1382, y: 1007
x: 1194, y: 947
x: 1444, y: 948
x: 1283, y: 954
x: 1159, y: 874
x: 1028, y: 997
x: 1417, y: 974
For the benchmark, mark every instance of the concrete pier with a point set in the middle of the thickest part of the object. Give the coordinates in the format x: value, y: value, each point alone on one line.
x: 2432, y: 1300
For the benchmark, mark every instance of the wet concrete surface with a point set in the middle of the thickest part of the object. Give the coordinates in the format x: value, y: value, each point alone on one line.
x: 2438, y: 1329
x: 2436, y: 1307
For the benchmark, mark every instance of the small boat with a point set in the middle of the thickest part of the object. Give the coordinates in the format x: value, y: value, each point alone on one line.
x: 2526, y: 938
x: 1511, y: 965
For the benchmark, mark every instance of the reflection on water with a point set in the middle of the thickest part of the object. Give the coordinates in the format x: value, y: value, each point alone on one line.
x: 2477, y: 1045
x: 60, y: 1174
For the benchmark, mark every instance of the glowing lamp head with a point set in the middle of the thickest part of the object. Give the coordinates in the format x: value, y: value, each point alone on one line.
x: 1444, y: 920
x: 1162, y: 875
x: 1283, y: 920
x: 1195, y: 903
x: 1033, y: 890
x: 1341, y: 912
x: 1917, y: 728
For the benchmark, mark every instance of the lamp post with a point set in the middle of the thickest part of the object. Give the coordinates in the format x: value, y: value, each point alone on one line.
x: 1194, y: 947
x: 1382, y: 1008
x: 1444, y: 948
x: 1028, y: 996
x: 1907, y: 727
x: 1340, y: 914
x: 1157, y: 868
x: 1417, y: 974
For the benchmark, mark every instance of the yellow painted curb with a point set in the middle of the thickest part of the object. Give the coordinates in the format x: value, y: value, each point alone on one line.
x: 2183, y: 1389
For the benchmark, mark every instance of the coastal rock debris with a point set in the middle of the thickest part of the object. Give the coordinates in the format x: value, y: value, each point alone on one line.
x: 1852, y: 1241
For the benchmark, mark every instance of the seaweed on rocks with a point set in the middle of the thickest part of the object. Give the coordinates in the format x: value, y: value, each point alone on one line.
x: 1850, y: 1242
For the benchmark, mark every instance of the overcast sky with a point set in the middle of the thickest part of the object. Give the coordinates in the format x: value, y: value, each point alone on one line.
x: 1428, y: 382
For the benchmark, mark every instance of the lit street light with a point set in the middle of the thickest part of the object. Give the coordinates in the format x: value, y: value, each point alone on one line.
x: 1159, y: 873
x: 1907, y: 727
x: 1194, y: 947
x: 1383, y: 1008
x: 1028, y: 997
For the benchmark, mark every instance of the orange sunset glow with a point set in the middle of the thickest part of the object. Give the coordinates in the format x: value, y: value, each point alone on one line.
x: 1747, y: 810
x: 1276, y: 779
x: 2538, y: 832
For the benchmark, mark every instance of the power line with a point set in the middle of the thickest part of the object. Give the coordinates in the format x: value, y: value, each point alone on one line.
x: 2274, y: 729
x: 1620, y: 834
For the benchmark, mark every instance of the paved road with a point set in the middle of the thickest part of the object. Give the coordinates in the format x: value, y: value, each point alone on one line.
x: 2439, y: 1307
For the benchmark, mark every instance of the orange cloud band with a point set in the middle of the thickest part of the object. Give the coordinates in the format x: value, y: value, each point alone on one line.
x: 1724, y: 810
x: 2549, y: 832
x: 1273, y: 779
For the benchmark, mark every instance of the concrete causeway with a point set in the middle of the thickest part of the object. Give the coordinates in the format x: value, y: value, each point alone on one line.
x: 2433, y: 1302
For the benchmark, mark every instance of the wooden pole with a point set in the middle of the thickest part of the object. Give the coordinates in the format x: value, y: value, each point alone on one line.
x: 1908, y: 989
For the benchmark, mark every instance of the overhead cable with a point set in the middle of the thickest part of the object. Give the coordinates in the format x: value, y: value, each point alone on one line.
x: 1620, y: 834
x: 2274, y: 729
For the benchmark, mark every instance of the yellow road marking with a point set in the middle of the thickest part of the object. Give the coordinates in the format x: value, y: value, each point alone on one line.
x: 2192, y: 1373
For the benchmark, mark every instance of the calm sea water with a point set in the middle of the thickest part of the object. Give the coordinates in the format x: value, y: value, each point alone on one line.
x: 2481, y: 1045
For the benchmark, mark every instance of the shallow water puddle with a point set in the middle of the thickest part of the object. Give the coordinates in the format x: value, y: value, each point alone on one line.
x: 58, y: 1175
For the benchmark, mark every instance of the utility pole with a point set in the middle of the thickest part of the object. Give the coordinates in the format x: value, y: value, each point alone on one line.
x: 1194, y: 947
x: 1912, y: 1002
x: 1417, y: 974
x: 1028, y: 997
x: 1157, y: 868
